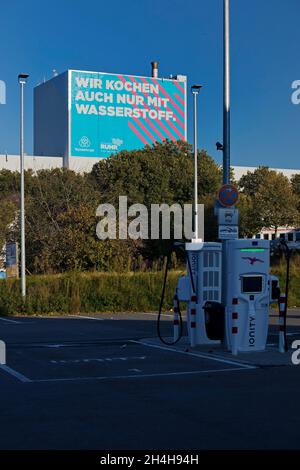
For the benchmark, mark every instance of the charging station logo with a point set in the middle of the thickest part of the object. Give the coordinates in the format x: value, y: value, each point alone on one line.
x: 254, y: 260
x: 296, y: 354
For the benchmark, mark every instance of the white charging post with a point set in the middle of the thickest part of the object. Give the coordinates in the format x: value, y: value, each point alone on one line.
x: 202, y: 283
x: 247, y: 294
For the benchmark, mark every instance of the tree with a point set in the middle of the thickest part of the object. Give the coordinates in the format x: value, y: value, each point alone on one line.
x: 275, y: 203
x: 250, y: 224
x: 252, y: 181
x: 61, y: 205
x: 295, y: 181
x: 8, y: 212
x: 159, y: 174
x: 267, y: 201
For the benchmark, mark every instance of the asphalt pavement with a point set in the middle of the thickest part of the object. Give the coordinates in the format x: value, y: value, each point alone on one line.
x: 103, y: 382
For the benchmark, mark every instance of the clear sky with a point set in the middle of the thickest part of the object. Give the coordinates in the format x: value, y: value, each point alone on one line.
x: 185, y: 36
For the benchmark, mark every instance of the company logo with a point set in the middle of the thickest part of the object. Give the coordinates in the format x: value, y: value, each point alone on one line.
x: 113, y: 145
x: 251, y: 332
x: 84, y: 142
x: 117, y: 141
x: 253, y: 260
x: 296, y: 354
x: 104, y: 146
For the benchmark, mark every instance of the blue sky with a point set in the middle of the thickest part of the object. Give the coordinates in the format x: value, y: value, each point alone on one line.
x: 185, y: 36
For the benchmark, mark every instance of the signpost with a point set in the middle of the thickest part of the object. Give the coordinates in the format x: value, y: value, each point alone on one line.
x: 228, y: 216
x: 228, y: 195
x: 12, y: 265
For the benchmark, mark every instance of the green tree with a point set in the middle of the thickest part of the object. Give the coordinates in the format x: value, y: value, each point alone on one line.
x: 267, y: 201
x: 61, y: 206
x: 295, y: 181
x: 162, y: 173
x: 250, y: 224
x: 275, y: 202
x: 252, y: 181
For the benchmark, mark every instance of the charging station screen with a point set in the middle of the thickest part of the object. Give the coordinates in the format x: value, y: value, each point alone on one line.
x: 251, y: 284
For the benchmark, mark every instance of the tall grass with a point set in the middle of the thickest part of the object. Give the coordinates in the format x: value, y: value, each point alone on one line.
x: 294, y: 278
x: 107, y: 292
x: 88, y: 293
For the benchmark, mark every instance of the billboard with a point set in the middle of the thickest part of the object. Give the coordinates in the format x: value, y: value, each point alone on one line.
x: 114, y: 112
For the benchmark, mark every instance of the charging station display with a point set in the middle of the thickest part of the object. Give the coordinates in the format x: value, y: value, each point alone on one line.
x: 252, y: 284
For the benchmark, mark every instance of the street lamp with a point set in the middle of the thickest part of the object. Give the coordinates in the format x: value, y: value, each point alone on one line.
x: 22, y: 78
x: 226, y: 98
x: 195, y: 91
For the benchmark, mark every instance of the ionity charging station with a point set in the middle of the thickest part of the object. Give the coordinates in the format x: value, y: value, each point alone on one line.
x: 228, y: 288
x: 228, y: 291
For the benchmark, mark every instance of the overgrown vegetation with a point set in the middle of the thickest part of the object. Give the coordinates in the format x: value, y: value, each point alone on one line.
x: 106, y: 292
x: 88, y: 293
x: 61, y: 207
x: 61, y: 227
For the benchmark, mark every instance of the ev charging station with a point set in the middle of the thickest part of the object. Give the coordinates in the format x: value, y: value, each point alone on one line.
x: 249, y: 291
x: 228, y: 290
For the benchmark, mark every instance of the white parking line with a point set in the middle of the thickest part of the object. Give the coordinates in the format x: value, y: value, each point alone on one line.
x: 9, y: 321
x: 85, y: 317
x: 202, y: 355
x: 145, y: 376
x: 155, y: 314
x: 15, y: 373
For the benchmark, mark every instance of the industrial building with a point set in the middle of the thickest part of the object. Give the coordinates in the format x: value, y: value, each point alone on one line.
x: 85, y: 164
x: 88, y: 115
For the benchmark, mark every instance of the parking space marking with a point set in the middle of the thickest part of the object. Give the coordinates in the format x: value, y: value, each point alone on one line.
x: 10, y: 321
x: 15, y: 373
x: 155, y: 314
x: 101, y: 360
x: 86, y: 317
x: 202, y: 355
x: 133, y: 372
x: 145, y: 376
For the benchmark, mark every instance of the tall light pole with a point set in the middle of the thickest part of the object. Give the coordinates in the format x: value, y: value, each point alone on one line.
x: 22, y: 78
x: 195, y: 91
x: 226, y: 91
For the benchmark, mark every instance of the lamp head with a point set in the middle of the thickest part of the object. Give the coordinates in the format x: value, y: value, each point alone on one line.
x: 22, y: 77
x: 196, y: 88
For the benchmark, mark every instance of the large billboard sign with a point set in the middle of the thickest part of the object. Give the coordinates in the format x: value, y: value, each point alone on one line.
x: 112, y: 112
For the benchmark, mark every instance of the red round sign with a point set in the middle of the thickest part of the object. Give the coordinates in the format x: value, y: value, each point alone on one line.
x: 228, y: 195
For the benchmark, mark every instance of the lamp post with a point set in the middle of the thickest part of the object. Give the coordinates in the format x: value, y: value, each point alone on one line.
x: 22, y: 78
x: 226, y: 91
x: 195, y: 91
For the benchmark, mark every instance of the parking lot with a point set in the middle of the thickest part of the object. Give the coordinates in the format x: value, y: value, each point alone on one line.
x: 104, y: 383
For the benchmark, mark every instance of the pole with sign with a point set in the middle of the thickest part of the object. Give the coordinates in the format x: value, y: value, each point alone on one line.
x: 228, y: 215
